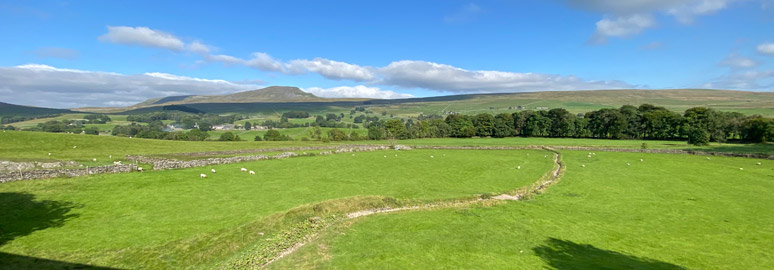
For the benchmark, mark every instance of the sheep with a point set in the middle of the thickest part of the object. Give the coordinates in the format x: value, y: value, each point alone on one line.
x: 49, y: 154
x: 583, y: 166
x: 589, y: 156
x: 708, y: 158
x: 385, y: 156
x: 432, y: 156
x: 641, y: 160
x: 397, y: 155
x: 110, y: 156
x: 353, y: 155
x: 213, y: 170
x: 75, y: 146
x: 94, y: 159
x: 518, y: 167
x: 117, y: 162
x: 139, y: 169
x: 252, y: 173
x: 741, y: 169
x: 758, y: 164
x: 203, y: 176
x: 627, y: 164
x: 243, y: 169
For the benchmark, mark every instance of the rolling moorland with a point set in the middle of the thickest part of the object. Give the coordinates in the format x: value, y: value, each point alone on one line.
x: 428, y: 203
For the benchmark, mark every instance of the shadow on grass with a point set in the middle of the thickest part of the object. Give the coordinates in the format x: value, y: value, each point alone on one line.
x: 561, y: 254
x: 13, y: 261
x: 22, y: 215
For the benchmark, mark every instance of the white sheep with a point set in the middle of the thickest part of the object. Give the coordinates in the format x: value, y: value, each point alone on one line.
x: 583, y: 166
x: 139, y: 169
x: 397, y: 155
x: 212, y: 170
x: 94, y: 159
x: 741, y: 169
x: 627, y: 164
x: 252, y: 173
x: 641, y: 160
x: 432, y: 156
x: 518, y: 167
x: 708, y: 158
x: 203, y: 176
x: 75, y: 146
x: 111, y: 156
x: 385, y: 156
x: 49, y: 154
x: 589, y: 156
x: 353, y: 155
x: 244, y: 169
x: 117, y: 162
x: 759, y: 163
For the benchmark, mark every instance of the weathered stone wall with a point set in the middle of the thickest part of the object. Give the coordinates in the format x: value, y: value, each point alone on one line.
x: 166, y: 164
x: 10, y: 166
x: 40, y: 174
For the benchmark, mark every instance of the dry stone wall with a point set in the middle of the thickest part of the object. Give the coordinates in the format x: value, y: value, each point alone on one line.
x: 10, y: 166
x: 41, y: 174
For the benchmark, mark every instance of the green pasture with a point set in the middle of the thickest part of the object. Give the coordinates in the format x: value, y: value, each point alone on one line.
x: 161, y: 219
x: 666, y: 212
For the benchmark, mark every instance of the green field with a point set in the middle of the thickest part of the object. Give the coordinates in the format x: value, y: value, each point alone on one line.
x: 142, y: 214
x: 668, y: 212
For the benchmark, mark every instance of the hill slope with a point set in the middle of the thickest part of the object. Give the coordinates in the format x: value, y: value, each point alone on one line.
x: 7, y: 109
x: 268, y: 94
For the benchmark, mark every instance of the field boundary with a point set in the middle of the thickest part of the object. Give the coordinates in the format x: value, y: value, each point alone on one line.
x: 601, y: 149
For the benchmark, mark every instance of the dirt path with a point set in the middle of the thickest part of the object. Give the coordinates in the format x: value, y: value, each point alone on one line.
x: 544, y: 182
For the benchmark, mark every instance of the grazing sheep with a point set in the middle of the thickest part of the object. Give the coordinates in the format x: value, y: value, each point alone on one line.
x: 385, y: 156
x: 111, y: 156
x: 708, y: 158
x: 75, y: 146
x: 203, y: 176
x: 432, y: 156
x: 759, y: 163
x: 641, y: 160
x: 244, y: 169
x: 353, y: 155
x: 545, y: 156
x: 117, y: 162
x: 741, y: 169
x: 589, y: 156
x: 139, y: 169
x: 49, y: 154
x: 94, y: 159
x: 627, y: 164
x: 212, y: 170
x: 397, y: 155
x: 252, y: 173
x: 518, y: 167
x: 583, y: 166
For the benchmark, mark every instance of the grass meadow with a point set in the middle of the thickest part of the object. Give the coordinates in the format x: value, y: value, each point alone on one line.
x: 154, y: 219
x: 667, y: 212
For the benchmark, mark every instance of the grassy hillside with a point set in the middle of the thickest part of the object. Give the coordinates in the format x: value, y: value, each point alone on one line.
x: 708, y: 214
x: 574, y: 101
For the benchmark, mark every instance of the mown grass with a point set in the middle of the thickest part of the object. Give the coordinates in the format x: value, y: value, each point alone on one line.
x: 155, y: 219
x: 668, y: 212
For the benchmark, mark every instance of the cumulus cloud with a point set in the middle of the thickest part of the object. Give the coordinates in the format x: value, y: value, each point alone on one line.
x: 446, y: 78
x: 47, y: 86
x: 625, y: 26
x: 631, y: 17
x: 333, y: 69
x: 766, y: 48
x: 142, y: 36
x: 199, y: 47
x: 748, y: 80
x: 735, y: 61
x: 265, y: 62
x: 54, y: 52
x: 359, y: 91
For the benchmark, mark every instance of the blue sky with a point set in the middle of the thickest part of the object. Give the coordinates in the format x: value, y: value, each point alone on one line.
x: 110, y: 53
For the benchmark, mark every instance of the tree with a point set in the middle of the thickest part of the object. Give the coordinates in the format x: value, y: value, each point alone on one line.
x: 484, y: 124
x: 228, y: 136
x: 461, y: 126
x: 248, y: 126
x: 395, y: 129
x: 274, y: 135
x: 503, y: 126
x: 336, y: 135
x: 91, y: 130
x: 562, y: 123
x: 375, y: 132
x: 698, y: 136
x: 757, y: 130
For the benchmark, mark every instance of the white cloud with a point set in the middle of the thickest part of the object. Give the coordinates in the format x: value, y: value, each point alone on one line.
x: 265, y: 62
x: 735, y: 61
x: 142, y: 36
x: 226, y: 59
x: 199, y: 47
x: 47, y: 86
x: 359, y: 91
x: 625, y: 26
x: 466, y: 13
x: 334, y: 70
x: 748, y: 80
x: 631, y: 17
x: 446, y: 78
x: 54, y: 52
x: 766, y: 48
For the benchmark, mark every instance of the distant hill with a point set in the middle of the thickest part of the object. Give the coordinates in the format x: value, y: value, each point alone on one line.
x: 7, y: 109
x: 268, y: 94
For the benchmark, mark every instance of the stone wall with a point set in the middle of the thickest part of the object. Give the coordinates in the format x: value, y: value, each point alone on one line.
x: 10, y: 166
x: 41, y: 174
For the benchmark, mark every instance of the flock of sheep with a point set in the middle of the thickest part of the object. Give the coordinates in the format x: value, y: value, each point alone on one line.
x: 242, y: 170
